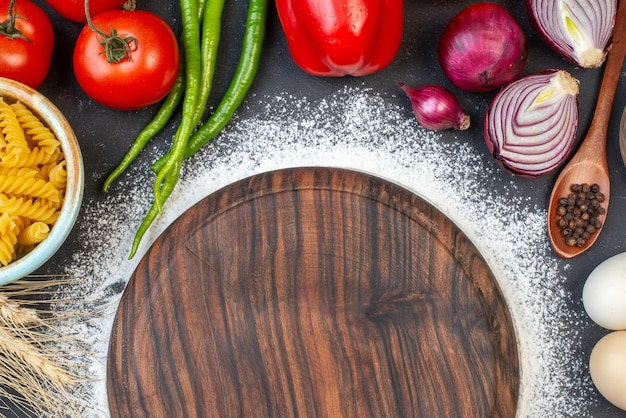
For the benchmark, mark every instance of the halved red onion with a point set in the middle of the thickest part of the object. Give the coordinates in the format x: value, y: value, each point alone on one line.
x: 579, y: 30
x: 530, y: 126
x: 482, y: 48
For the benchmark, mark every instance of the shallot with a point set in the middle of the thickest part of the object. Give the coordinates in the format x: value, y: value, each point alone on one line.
x: 482, y: 48
x: 436, y: 108
x: 579, y: 30
x: 530, y: 126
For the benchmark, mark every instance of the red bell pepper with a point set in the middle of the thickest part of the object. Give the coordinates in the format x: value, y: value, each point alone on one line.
x: 342, y: 37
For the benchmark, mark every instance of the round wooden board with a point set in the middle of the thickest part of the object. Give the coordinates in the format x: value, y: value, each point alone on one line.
x: 313, y: 292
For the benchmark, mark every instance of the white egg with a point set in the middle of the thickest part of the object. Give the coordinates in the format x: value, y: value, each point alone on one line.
x: 604, y: 293
x: 607, y: 366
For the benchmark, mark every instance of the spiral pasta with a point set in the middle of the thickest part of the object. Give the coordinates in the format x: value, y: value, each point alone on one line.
x: 8, y: 238
x: 14, y: 139
x: 33, y: 178
x: 35, y: 187
x: 35, y: 130
x: 35, y: 157
x: 33, y: 234
x: 34, y: 209
x: 57, y: 175
x: 25, y: 172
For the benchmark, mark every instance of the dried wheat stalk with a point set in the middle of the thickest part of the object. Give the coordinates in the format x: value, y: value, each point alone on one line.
x: 12, y: 312
x: 41, y: 367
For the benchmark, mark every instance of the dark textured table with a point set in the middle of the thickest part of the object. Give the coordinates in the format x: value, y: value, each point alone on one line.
x: 105, y: 134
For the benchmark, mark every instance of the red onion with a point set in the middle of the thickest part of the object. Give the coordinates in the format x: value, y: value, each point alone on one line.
x: 482, y: 48
x: 436, y: 107
x: 530, y: 126
x: 579, y: 30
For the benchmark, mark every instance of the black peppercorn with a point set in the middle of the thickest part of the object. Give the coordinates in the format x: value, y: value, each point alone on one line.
x: 571, y: 200
x: 579, y: 213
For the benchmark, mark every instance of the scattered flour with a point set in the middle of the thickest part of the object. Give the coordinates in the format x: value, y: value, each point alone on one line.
x: 358, y: 129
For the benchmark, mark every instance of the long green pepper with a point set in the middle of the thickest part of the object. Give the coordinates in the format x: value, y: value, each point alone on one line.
x: 238, y: 89
x: 201, y: 6
x: 191, y: 43
x: 209, y: 45
x: 159, y: 121
x: 168, y: 187
x: 200, y: 46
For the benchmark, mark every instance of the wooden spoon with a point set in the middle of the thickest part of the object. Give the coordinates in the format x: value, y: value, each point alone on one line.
x: 589, y: 164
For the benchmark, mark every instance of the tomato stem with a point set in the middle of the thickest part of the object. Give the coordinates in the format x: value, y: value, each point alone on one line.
x: 116, y: 47
x: 8, y: 28
x: 130, y: 5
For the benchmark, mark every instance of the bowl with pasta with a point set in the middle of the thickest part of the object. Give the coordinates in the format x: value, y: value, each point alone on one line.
x: 41, y: 180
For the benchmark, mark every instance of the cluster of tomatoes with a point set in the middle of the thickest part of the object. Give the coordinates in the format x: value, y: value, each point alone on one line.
x: 123, y: 59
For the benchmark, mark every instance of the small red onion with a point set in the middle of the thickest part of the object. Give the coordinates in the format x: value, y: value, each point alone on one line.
x: 579, y: 30
x: 436, y: 107
x: 530, y: 126
x: 482, y: 48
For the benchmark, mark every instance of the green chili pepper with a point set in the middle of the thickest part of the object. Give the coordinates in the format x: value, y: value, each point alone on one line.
x: 201, y: 7
x: 168, y: 186
x: 209, y: 43
x: 159, y: 121
x: 244, y: 76
x: 191, y: 44
x: 200, y: 60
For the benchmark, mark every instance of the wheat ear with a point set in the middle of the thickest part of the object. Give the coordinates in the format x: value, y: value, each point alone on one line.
x: 22, y: 349
x: 13, y: 313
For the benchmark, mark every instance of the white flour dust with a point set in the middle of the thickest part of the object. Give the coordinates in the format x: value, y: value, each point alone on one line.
x: 357, y: 129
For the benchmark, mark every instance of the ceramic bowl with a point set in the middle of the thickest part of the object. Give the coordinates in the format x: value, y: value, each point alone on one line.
x: 50, y: 115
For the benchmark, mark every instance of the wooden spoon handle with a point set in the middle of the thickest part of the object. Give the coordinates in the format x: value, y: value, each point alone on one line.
x: 600, y: 122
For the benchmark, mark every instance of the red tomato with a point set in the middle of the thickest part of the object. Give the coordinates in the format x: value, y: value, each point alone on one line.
x: 139, y: 81
x: 27, y: 58
x: 74, y: 10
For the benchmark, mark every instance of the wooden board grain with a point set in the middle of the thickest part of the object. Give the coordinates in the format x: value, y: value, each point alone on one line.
x: 313, y: 292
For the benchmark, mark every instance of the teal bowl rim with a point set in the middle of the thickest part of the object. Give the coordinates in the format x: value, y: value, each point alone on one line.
x: 56, y: 121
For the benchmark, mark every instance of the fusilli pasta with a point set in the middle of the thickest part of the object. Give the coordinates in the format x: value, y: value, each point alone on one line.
x: 8, y: 239
x: 33, y: 233
x: 33, y: 178
x: 57, y: 174
x: 29, y: 186
x: 35, y: 157
x: 14, y: 139
x: 34, y: 209
x: 34, y: 130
